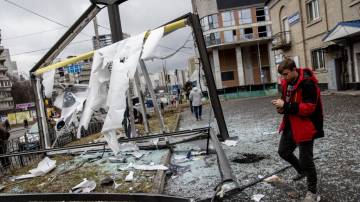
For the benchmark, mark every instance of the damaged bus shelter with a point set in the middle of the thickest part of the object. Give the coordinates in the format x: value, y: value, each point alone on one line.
x: 112, y: 68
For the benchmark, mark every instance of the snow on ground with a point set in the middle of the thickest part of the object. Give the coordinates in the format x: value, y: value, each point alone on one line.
x: 254, y: 123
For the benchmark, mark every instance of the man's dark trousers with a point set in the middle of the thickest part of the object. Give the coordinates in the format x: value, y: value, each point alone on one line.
x: 305, y: 163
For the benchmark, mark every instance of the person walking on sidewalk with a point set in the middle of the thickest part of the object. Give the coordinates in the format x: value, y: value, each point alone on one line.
x: 302, y: 121
x: 195, y: 96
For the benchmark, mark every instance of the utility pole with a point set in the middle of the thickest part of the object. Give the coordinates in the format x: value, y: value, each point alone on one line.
x: 96, y: 30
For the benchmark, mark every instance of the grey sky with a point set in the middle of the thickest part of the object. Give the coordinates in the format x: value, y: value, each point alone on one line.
x: 136, y: 17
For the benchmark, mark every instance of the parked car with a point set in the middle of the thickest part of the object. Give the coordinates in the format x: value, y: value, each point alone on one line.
x: 31, y: 139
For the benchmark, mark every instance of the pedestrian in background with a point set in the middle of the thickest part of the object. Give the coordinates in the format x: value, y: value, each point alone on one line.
x: 6, y: 125
x: 302, y: 121
x: 26, y: 124
x: 195, y: 96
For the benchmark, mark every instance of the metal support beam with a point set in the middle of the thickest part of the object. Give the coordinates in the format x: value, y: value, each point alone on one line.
x: 69, y: 35
x: 48, y: 58
x: 131, y: 113
x: 101, y: 144
x: 215, y: 101
x: 41, y: 113
x: 153, y: 96
x: 149, y: 197
x: 142, y: 103
x: 115, y: 23
x: 224, y: 164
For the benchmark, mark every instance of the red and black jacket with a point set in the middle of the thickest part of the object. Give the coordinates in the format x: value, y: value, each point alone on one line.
x: 303, y: 114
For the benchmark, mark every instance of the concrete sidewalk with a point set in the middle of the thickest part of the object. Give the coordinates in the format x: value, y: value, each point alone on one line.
x: 346, y: 92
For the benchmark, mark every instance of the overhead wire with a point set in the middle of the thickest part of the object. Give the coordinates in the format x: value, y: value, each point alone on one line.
x: 39, y: 15
x: 43, y: 49
x: 175, y: 51
x: 32, y: 34
x: 33, y: 12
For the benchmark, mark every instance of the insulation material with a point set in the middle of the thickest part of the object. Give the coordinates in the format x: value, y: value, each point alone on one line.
x: 48, y: 83
x: 151, y: 43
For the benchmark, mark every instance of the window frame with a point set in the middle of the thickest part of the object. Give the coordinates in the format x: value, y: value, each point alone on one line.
x: 229, y: 71
x: 318, y: 57
x: 312, y: 10
x: 232, y: 36
x: 261, y: 16
x: 243, y: 20
x: 232, y: 19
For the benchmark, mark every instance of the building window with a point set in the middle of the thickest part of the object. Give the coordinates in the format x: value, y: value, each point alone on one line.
x: 213, y: 21
x: 227, y: 76
x: 227, y: 18
x: 209, y: 22
x: 204, y: 23
x: 246, y: 33
x: 229, y: 36
x: 245, y: 16
x: 262, y: 30
x: 318, y: 60
x: 312, y: 9
x: 260, y: 14
x: 212, y: 39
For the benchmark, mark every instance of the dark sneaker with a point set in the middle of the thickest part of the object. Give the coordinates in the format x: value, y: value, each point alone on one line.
x: 298, y: 177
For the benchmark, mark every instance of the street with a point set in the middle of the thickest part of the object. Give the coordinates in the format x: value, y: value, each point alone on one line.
x: 16, y: 133
x: 254, y: 122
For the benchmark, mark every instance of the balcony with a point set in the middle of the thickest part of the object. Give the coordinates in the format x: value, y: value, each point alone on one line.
x: 281, y: 40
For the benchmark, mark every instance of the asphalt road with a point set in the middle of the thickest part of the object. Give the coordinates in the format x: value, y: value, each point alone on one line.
x: 16, y: 133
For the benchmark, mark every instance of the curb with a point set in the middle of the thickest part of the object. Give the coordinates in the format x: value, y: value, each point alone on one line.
x: 178, y: 117
x: 159, y: 179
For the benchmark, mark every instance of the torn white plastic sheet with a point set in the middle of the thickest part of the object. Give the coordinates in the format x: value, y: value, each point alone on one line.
x: 123, y: 57
x: 59, y: 101
x: 72, y: 103
x: 130, y: 177
x: 48, y: 83
x: 99, y: 78
x: 257, y: 197
x: 85, y: 186
x: 123, y: 68
x: 230, y: 143
x: 45, y: 166
x: 151, y: 43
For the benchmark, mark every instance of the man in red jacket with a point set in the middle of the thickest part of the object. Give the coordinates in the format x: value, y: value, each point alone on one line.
x: 302, y: 122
